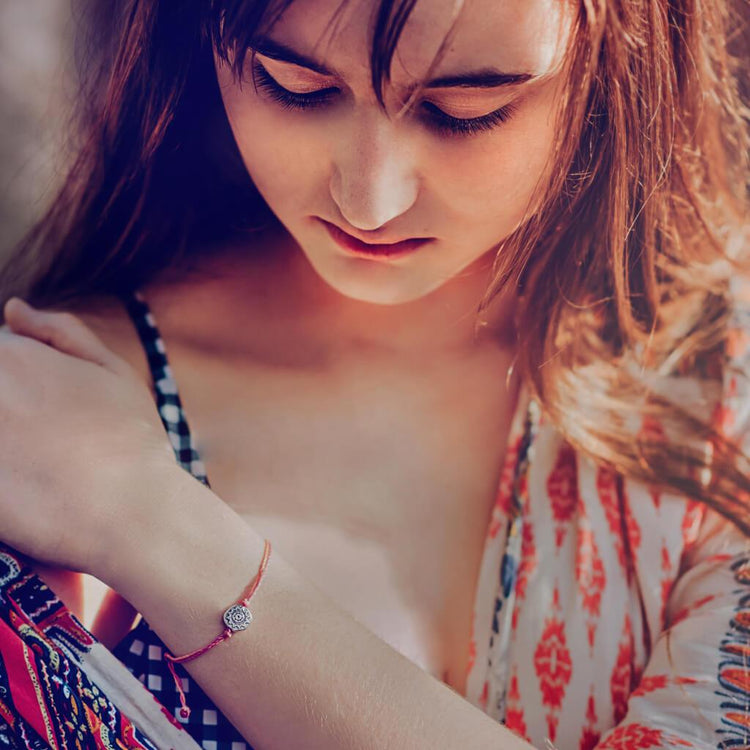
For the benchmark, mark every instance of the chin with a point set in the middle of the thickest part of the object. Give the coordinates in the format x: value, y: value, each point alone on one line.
x: 375, y: 294
x: 378, y: 283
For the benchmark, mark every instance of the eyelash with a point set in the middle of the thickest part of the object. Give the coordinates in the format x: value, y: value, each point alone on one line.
x: 442, y: 123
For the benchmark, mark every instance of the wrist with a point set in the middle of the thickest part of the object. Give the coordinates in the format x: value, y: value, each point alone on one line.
x: 183, y: 565
x: 142, y: 523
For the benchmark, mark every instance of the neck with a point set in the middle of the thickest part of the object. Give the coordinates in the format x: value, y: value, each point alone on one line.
x: 271, y: 282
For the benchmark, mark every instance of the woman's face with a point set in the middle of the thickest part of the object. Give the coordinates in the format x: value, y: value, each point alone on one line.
x: 456, y: 170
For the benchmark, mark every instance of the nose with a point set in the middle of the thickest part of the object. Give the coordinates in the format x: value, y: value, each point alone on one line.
x: 374, y: 177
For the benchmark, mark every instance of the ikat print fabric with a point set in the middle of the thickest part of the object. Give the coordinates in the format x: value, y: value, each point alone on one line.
x: 620, y: 618
x: 606, y: 615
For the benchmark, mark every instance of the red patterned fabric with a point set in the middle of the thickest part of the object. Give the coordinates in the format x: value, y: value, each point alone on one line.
x: 629, y: 622
x: 59, y: 687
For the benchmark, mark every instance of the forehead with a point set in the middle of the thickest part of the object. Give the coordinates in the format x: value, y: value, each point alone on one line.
x: 511, y: 35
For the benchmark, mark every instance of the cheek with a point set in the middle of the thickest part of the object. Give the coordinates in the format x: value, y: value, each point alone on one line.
x: 490, y: 179
x: 277, y: 153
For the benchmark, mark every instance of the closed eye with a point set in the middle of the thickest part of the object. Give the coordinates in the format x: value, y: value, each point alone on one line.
x: 289, y: 99
x: 449, y: 125
x: 434, y: 118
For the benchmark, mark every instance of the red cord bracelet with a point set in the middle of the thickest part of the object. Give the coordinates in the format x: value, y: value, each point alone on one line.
x: 236, y: 618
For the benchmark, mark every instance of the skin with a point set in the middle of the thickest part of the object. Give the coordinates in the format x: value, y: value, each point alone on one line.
x: 382, y: 177
x: 335, y: 327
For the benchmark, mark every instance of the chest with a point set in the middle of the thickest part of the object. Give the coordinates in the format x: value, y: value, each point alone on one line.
x: 380, y: 493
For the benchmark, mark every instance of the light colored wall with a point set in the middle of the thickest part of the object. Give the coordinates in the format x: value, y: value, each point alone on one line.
x: 37, y: 86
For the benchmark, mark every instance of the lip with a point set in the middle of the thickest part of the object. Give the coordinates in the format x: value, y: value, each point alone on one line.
x: 374, y: 250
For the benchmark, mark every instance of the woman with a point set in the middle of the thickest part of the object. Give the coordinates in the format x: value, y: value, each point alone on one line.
x: 295, y: 211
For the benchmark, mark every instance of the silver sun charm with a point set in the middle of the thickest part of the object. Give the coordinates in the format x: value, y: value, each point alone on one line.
x: 237, y: 617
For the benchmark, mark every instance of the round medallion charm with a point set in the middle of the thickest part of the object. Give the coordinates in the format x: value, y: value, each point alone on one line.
x: 237, y: 617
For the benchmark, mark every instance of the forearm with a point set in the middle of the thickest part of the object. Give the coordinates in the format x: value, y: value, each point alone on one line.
x: 304, y: 671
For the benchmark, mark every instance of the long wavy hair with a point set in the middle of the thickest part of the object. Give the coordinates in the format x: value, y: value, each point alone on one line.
x: 624, y: 261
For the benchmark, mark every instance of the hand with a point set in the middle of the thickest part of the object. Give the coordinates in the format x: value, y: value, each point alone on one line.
x: 81, y: 441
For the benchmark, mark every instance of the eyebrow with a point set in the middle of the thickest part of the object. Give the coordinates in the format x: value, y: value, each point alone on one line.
x: 486, y: 78
x: 482, y: 79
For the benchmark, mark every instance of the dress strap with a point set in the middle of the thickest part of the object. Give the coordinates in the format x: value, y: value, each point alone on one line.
x: 167, y: 397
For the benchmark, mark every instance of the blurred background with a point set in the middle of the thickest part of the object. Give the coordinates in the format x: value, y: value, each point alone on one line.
x: 37, y: 87
x: 44, y: 46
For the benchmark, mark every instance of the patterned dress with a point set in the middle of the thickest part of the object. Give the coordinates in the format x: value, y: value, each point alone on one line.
x: 606, y: 615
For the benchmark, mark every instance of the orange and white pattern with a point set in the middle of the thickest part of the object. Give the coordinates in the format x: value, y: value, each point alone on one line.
x: 627, y: 622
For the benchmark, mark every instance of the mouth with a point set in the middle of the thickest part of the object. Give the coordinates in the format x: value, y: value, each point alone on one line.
x: 355, y: 246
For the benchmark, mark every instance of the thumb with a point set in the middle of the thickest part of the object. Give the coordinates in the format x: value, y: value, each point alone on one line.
x: 61, y: 330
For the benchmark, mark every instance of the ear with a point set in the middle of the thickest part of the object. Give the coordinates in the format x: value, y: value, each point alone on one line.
x: 62, y: 331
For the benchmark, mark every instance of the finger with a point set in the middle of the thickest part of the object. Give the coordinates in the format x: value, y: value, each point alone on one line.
x: 60, y: 330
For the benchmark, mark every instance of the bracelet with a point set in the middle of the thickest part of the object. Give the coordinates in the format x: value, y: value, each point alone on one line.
x: 235, y: 618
